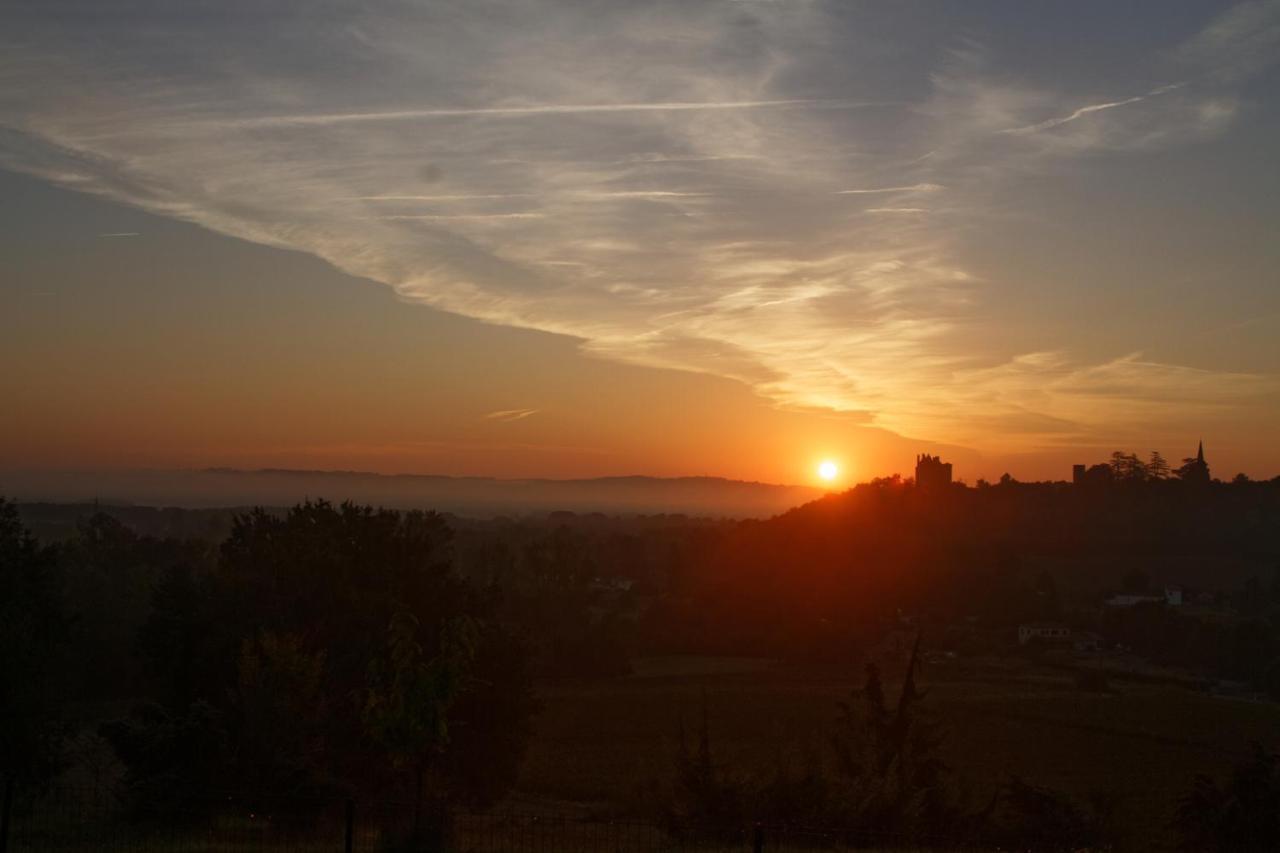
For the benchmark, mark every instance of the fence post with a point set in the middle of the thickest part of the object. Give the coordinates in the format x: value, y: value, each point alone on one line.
x: 6, y: 809
x: 350, y: 836
x: 757, y: 843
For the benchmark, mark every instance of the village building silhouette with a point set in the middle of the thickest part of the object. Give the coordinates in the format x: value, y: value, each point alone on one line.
x: 932, y: 472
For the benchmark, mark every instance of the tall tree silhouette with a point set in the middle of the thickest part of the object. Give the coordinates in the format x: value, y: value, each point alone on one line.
x: 407, y: 704
x: 1157, y: 466
x: 1241, y: 815
x: 33, y: 629
x: 890, y: 757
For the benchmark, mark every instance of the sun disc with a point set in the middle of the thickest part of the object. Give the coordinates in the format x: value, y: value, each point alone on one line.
x: 828, y: 470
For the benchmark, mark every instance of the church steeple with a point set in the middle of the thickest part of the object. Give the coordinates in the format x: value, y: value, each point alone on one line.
x: 1195, y: 471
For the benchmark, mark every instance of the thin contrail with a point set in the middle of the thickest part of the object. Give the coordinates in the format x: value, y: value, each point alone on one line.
x: 1092, y: 108
x: 448, y: 217
x: 539, y: 109
x: 927, y: 188
x: 455, y: 197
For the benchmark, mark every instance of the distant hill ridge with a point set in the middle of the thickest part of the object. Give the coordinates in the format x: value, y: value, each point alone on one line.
x: 618, y: 478
x: 473, y: 496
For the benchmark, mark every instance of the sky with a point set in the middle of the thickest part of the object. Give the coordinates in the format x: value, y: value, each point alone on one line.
x: 731, y: 237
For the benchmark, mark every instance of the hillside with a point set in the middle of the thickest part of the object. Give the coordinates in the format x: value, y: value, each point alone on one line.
x: 469, y: 496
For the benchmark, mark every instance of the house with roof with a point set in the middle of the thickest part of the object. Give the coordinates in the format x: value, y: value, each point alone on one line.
x: 1044, y: 632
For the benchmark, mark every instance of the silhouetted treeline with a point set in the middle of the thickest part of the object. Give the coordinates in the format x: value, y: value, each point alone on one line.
x: 33, y: 637
x: 328, y: 649
x: 828, y: 578
x: 824, y: 581
x: 57, y: 522
x: 331, y: 649
x: 319, y: 650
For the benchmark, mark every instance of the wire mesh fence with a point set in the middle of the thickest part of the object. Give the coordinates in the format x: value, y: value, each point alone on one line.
x: 76, y: 820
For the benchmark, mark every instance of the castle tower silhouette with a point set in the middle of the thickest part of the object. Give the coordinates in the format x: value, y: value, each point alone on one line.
x: 932, y: 472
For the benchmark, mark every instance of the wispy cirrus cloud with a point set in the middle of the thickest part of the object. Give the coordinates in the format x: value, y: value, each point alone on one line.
x: 509, y: 415
x: 913, y: 188
x: 456, y: 217
x: 674, y: 184
x: 1240, y: 43
x: 305, y: 119
x: 436, y: 198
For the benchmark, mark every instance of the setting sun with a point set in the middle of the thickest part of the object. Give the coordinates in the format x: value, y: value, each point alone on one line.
x: 607, y: 356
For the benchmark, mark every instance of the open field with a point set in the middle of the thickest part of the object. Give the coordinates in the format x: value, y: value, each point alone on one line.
x: 602, y: 751
x: 604, y: 744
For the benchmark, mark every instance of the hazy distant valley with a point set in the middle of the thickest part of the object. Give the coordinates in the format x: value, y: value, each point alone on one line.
x: 481, y: 497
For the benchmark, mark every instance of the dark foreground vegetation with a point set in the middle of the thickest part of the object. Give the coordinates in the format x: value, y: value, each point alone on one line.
x: 216, y: 665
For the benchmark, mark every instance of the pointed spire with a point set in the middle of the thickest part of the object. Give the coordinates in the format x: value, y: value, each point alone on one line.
x: 1200, y: 452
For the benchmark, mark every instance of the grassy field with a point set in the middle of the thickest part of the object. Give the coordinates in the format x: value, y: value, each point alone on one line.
x: 603, y: 744
x: 604, y: 749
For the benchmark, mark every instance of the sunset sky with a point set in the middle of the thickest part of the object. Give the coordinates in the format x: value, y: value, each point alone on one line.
x: 564, y: 239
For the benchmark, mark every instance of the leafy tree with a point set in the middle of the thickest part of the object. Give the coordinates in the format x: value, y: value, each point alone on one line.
x: 277, y: 640
x: 492, y: 720
x: 1034, y: 818
x: 185, y: 645
x: 1271, y: 679
x: 1191, y: 469
x: 108, y: 573
x: 1157, y: 467
x: 704, y: 792
x: 278, y: 710
x: 1127, y: 467
x: 406, y: 708
x: 33, y: 631
x: 574, y: 631
x: 890, y: 784
x: 890, y: 758
x: 1241, y: 815
x: 173, y: 758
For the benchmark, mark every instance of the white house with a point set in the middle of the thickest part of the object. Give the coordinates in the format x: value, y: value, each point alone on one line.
x: 1172, y: 596
x: 1053, y: 632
